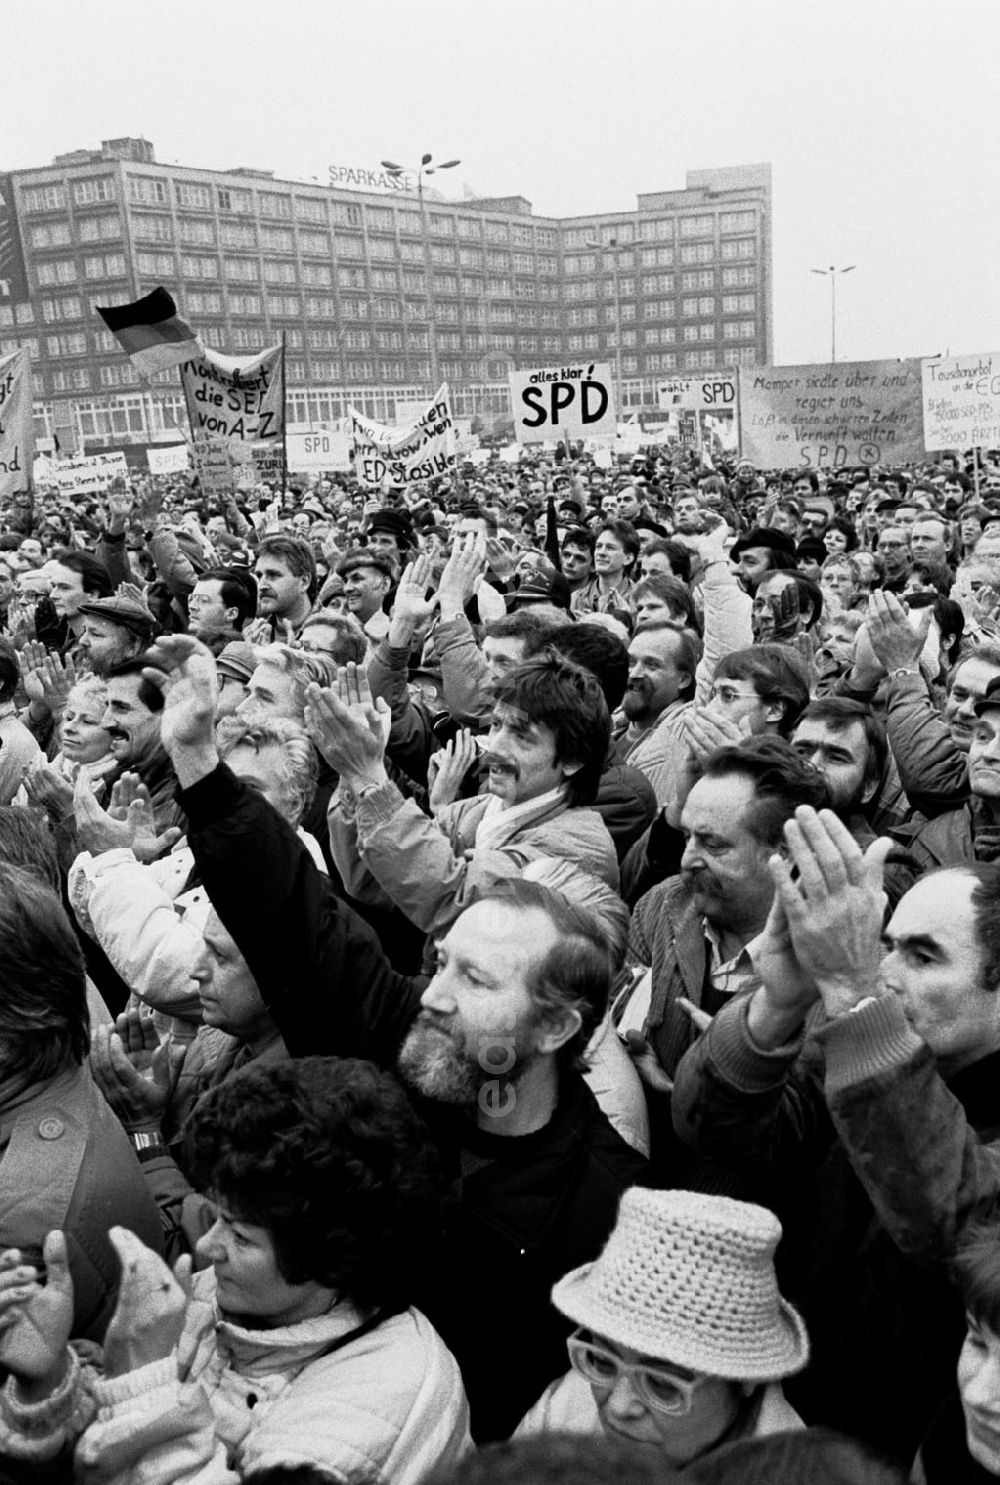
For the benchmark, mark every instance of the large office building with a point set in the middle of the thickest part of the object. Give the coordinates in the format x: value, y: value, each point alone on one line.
x: 373, y: 292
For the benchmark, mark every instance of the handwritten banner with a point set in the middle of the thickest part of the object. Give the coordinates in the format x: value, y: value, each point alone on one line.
x: 575, y: 401
x: 236, y: 399
x: 389, y: 456
x: 17, y: 448
x: 88, y: 474
x: 961, y: 396
x: 849, y: 412
x: 708, y: 391
x: 319, y: 451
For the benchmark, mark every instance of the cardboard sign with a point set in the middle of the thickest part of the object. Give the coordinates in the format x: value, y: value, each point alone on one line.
x: 849, y: 412
x: 961, y: 397
x: 708, y: 393
x: 391, y: 456
x: 17, y: 429
x: 318, y: 451
x: 236, y: 399
x: 563, y: 402
x: 170, y: 460
x: 86, y: 474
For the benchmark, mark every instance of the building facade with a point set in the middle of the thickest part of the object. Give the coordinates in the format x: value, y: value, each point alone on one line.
x: 369, y: 290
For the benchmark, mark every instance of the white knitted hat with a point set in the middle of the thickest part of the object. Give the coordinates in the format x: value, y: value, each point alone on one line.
x: 690, y: 1279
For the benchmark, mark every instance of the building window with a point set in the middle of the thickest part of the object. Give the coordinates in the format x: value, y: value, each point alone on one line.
x: 738, y: 278
x: 697, y: 226
x: 44, y: 198
x: 241, y: 270
x: 738, y: 247
x: 203, y: 304
x: 320, y: 307
x: 384, y: 248
x: 346, y: 213
x: 244, y: 304
x: 232, y: 200
x: 289, y: 304
x: 736, y: 221
x: 66, y: 345
x: 273, y: 205
x: 194, y: 196
x: 665, y: 362
x: 317, y: 275
x: 277, y: 272
x: 86, y: 191
x: 145, y: 190
x: 104, y: 265
x: 237, y: 235
x: 196, y: 234
x: 314, y: 242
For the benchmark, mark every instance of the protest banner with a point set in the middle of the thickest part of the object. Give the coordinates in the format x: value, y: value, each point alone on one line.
x: 563, y: 402
x: 848, y: 412
x: 708, y: 392
x: 237, y: 399
x: 312, y: 452
x: 213, y: 466
x: 172, y: 459
x: 88, y: 474
x: 390, y: 456
x: 17, y: 429
x: 961, y: 399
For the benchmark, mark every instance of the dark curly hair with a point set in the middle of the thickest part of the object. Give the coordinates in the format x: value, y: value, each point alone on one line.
x: 327, y: 1154
x: 568, y: 700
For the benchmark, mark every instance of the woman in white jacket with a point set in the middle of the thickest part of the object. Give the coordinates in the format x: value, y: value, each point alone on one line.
x: 297, y: 1347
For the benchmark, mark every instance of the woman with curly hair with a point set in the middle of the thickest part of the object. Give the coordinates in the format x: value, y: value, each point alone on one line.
x: 297, y: 1345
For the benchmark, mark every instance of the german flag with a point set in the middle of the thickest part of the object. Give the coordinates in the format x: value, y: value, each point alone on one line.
x: 152, y: 332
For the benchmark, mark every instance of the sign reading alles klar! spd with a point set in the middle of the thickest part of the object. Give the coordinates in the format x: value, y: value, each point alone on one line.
x: 563, y: 402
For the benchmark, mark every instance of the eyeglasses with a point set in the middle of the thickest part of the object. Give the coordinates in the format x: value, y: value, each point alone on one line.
x: 729, y: 694
x: 657, y: 1386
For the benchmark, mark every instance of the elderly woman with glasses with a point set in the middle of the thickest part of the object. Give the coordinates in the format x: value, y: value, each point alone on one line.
x: 683, y: 1337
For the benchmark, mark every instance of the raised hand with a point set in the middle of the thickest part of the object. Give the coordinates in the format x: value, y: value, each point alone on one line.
x: 136, y: 1069
x: 49, y: 791
x: 461, y: 573
x: 834, y: 912
x: 410, y: 605
x: 183, y: 670
x: 118, y: 502
x: 895, y: 643
x: 35, y: 1318
x: 447, y: 768
x: 348, y: 728
x: 132, y: 805
x: 152, y: 1306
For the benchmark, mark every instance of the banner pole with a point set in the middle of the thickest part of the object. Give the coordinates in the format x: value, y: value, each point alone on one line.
x: 975, y: 469
x: 284, y: 418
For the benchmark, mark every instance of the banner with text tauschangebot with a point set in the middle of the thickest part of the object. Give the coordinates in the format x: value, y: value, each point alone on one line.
x: 848, y: 412
x: 385, y: 455
x: 17, y: 430
x: 962, y: 401
x: 235, y: 404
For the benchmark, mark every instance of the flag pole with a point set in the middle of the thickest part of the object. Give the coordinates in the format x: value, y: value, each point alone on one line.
x: 284, y: 420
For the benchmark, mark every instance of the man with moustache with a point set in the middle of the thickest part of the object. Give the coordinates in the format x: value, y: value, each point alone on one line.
x: 661, y: 679
x: 491, y: 1044
x: 545, y: 752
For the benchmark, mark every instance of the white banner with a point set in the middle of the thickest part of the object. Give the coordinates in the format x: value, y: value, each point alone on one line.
x: 390, y: 456
x: 961, y: 396
x: 86, y: 474
x: 173, y: 459
x: 17, y: 450
x: 562, y: 402
x: 706, y: 392
x: 318, y: 451
x: 235, y: 398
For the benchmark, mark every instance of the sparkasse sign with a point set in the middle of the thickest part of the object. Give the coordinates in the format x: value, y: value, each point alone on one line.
x: 358, y: 178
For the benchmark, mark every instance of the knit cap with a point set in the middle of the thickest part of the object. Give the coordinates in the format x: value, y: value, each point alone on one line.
x: 689, y: 1278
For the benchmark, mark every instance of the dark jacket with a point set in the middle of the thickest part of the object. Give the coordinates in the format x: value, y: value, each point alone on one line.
x: 874, y: 1164
x: 523, y: 1210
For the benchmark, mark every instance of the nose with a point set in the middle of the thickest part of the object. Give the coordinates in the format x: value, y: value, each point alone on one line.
x: 107, y: 721
x: 211, y: 1246
x: 201, y: 969
x: 438, y: 995
x: 692, y: 858
x: 623, y: 1400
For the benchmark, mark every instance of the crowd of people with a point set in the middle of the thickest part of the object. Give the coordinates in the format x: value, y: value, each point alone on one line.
x: 501, y: 979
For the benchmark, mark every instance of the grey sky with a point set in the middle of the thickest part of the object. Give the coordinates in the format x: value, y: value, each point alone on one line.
x: 877, y: 118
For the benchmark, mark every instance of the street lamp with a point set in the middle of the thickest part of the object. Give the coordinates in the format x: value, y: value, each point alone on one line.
x: 612, y: 243
x: 831, y: 273
x: 426, y: 168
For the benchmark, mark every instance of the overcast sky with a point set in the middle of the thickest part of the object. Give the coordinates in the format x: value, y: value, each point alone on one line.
x: 878, y: 119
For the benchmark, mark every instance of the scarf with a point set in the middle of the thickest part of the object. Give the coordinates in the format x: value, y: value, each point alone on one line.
x: 499, y: 823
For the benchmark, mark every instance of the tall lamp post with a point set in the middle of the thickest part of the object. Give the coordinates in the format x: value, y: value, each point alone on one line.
x: 831, y: 274
x: 426, y: 168
x: 612, y: 243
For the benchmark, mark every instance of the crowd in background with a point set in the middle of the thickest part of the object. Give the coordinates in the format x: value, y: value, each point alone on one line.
x: 501, y: 979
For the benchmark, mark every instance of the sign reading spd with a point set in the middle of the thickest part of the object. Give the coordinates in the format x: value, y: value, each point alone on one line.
x: 563, y: 402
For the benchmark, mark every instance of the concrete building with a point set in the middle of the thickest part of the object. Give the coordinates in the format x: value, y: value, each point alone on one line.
x: 368, y: 288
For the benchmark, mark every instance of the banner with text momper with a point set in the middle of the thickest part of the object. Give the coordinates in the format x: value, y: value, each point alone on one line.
x: 555, y: 402
x: 388, y: 455
x: 848, y: 412
x: 17, y: 429
x: 962, y: 401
